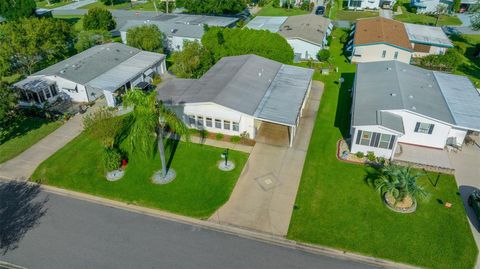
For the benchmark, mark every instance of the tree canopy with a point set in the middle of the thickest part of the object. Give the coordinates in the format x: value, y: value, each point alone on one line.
x: 476, y: 21
x: 7, y: 105
x: 145, y: 37
x: 192, y: 62
x: 234, y: 41
x: 16, y: 9
x: 88, y: 39
x: 217, y: 7
x: 30, y: 44
x: 98, y: 18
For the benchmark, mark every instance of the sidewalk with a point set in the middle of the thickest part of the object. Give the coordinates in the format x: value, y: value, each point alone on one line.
x: 265, y: 193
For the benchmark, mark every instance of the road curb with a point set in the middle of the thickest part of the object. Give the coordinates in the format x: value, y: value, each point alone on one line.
x: 228, y: 229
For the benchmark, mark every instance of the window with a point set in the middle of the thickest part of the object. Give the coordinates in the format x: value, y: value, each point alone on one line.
x: 365, y: 138
x: 235, y: 126
x: 218, y: 124
x: 384, y: 141
x: 395, y: 55
x: 199, y: 121
x: 53, y: 89
x: 424, y: 128
x: 384, y: 53
x: 226, y: 125
x: 191, y: 121
x: 208, y: 122
x: 47, y: 93
x: 355, y: 3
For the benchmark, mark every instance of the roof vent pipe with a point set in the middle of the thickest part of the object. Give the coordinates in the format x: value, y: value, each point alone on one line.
x: 389, y: 68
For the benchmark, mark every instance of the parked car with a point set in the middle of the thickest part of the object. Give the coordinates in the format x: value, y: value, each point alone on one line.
x: 320, y: 10
x: 474, y: 203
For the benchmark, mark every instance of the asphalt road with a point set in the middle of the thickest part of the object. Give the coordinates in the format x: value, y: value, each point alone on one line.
x: 45, y: 230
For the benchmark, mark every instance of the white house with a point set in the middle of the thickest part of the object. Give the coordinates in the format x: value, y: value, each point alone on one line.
x: 396, y: 103
x: 429, y: 6
x: 240, y: 93
x: 369, y: 4
x: 427, y: 40
x: 306, y: 34
x: 108, y: 69
x: 179, y: 27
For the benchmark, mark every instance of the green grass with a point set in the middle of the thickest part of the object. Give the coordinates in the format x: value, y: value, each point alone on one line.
x: 27, y: 132
x: 470, y: 65
x: 199, y: 189
x: 126, y: 5
x: 409, y: 16
x: 347, y: 15
x: 269, y: 10
x: 44, y: 4
x: 75, y: 20
x: 336, y: 208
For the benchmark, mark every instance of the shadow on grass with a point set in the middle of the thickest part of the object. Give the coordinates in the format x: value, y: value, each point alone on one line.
x: 344, y: 103
x: 21, y: 126
x: 171, y: 147
x: 20, y: 211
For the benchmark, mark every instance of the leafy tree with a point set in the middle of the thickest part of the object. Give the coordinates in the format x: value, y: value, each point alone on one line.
x: 234, y: 41
x: 440, y: 9
x: 7, y: 105
x: 104, y: 125
x: 475, y: 20
x: 29, y: 44
x: 110, y: 2
x: 16, y: 9
x: 192, y: 62
x: 99, y: 18
x: 400, y: 182
x: 150, y: 117
x: 323, y: 55
x: 146, y: 37
x: 456, y: 5
x: 217, y: 7
x: 88, y: 39
x: 447, y: 62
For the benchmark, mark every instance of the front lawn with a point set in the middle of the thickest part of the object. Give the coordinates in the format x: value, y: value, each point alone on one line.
x: 269, y: 10
x: 198, y: 191
x: 44, y: 4
x: 346, y: 15
x: 28, y: 131
x: 409, y: 16
x: 470, y: 65
x: 75, y: 20
x: 336, y: 208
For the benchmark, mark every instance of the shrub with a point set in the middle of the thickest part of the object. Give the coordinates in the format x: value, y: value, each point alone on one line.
x: 157, y: 79
x: 371, y: 156
x: 146, y: 37
x: 111, y: 159
x: 98, y: 18
x: 360, y: 154
x: 235, y: 139
x: 219, y: 136
x: 323, y: 55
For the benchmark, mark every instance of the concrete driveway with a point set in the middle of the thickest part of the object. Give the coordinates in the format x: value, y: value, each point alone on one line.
x: 265, y: 193
x: 467, y: 174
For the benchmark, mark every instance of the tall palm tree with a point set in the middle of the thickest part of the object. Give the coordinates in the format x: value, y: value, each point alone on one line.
x: 400, y: 182
x: 149, y: 119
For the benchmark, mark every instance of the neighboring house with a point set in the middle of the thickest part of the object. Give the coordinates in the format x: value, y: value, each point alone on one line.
x: 179, y: 27
x: 429, y: 6
x: 108, y: 69
x: 427, y: 40
x: 394, y: 103
x: 239, y: 93
x: 370, y: 4
x: 380, y: 39
x: 306, y: 34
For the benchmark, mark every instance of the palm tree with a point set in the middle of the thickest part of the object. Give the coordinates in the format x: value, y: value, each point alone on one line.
x: 149, y: 119
x: 400, y: 182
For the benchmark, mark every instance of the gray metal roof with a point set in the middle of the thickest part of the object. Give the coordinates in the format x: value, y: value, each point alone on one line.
x: 269, y: 23
x: 390, y: 121
x: 462, y: 98
x: 393, y: 85
x: 183, y: 25
x: 310, y: 27
x: 429, y: 35
x: 104, y: 66
x: 249, y: 84
x: 34, y: 84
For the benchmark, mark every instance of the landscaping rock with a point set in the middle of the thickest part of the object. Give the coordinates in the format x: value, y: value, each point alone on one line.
x: 158, y: 178
x: 226, y: 167
x: 115, y: 175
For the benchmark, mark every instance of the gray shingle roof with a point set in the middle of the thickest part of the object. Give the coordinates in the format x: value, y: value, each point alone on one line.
x: 249, y: 84
x: 393, y: 85
x: 308, y: 27
x: 168, y: 28
x: 269, y: 23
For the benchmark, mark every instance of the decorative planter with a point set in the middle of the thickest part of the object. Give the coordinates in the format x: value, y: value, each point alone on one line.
x: 409, y: 205
x: 115, y: 175
x: 229, y: 166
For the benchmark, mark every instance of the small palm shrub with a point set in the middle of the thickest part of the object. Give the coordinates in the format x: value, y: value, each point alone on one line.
x: 235, y: 139
x: 400, y: 182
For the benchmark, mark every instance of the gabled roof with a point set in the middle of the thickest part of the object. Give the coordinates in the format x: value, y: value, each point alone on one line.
x: 393, y: 85
x: 250, y: 84
x: 381, y: 30
x: 310, y: 27
x: 428, y: 35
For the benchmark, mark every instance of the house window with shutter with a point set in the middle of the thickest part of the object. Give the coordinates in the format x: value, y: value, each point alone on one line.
x: 424, y: 128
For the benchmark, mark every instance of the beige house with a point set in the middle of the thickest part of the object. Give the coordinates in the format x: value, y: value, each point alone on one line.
x: 380, y: 39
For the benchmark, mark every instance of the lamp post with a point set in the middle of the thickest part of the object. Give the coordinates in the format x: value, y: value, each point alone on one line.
x: 225, y: 153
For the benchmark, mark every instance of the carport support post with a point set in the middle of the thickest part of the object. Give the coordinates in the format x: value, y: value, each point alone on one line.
x: 292, y: 134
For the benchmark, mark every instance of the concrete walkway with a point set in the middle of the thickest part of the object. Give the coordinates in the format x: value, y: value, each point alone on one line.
x: 386, y: 13
x: 265, y: 193
x: 467, y: 173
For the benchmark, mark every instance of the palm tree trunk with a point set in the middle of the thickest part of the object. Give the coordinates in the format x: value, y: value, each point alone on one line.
x: 161, y: 150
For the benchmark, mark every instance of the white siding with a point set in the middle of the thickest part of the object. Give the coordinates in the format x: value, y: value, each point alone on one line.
x: 174, y: 43
x: 366, y: 4
x: 457, y: 135
x: 434, y: 50
x: 373, y: 53
x: 379, y: 152
x: 306, y: 49
x: 80, y: 95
